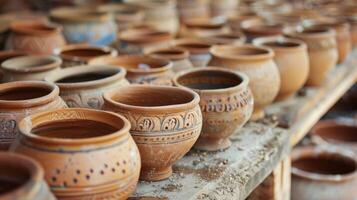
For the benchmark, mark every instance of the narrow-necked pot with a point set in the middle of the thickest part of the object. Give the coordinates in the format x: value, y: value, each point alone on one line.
x: 83, y: 86
x: 86, y: 153
x: 141, y: 69
x: 198, y: 28
x: 164, y: 128
x: 292, y: 60
x: 20, y: 99
x: 236, y: 38
x: 5, y: 55
x: 226, y: 103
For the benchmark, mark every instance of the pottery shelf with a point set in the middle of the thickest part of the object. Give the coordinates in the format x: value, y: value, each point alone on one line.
x: 260, y: 150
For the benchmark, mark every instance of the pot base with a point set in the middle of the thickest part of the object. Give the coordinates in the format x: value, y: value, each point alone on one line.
x: 152, y: 175
x: 257, y: 114
x: 212, y: 145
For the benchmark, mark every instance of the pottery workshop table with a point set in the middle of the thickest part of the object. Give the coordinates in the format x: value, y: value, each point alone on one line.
x: 257, y: 150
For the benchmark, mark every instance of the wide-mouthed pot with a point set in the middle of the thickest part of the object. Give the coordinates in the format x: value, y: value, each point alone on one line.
x: 86, y: 154
x: 258, y: 64
x: 79, y: 54
x: 165, y: 123
x: 20, y: 99
x: 83, y: 86
x: 227, y: 38
x: 322, y: 50
x: 226, y: 103
x: 198, y: 49
x: 323, y: 174
x: 292, y: 60
x: 198, y: 28
x: 140, y: 69
x: 22, y: 178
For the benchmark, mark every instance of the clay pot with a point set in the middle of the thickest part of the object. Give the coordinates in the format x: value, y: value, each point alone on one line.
x: 86, y: 154
x: 226, y: 103
x: 321, y: 45
x: 20, y: 99
x: 35, y: 37
x: 193, y: 9
x: 254, y: 29
x: 179, y: 57
x: 4, y: 55
x: 83, y: 86
x: 22, y: 178
x: 198, y: 28
x: 227, y: 38
x: 223, y: 7
x: 258, y: 64
x: 235, y: 20
x: 294, y: 17
x: 198, y: 49
x: 79, y: 54
x: 141, y: 69
x: 29, y: 67
x: 323, y: 174
x: 292, y: 60
x: 166, y: 122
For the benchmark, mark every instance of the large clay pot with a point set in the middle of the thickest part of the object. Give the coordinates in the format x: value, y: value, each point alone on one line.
x: 199, y: 50
x: 323, y: 174
x: 292, y: 60
x: 83, y: 86
x: 166, y: 122
x: 226, y: 103
x: 198, y: 28
x: 20, y: 99
x: 323, y: 56
x: 227, y: 38
x: 35, y: 37
x: 22, y: 178
x: 258, y: 64
x: 29, y: 67
x: 79, y: 54
x: 141, y: 69
x: 86, y: 154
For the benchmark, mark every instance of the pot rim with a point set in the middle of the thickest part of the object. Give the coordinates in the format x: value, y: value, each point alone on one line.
x: 337, y: 24
x: 105, y: 49
x: 77, y: 15
x: 11, y: 54
x: 205, y: 45
x: 218, y: 50
x: 261, y: 41
x: 27, y: 124
x: 10, y: 64
x: 29, y: 102
x: 298, y: 32
x: 144, y: 36
x: 177, y: 53
x: 28, y: 27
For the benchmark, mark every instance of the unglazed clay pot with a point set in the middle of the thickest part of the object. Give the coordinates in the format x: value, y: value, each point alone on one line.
x: 323, y: 56
x: 258, y: 64
x: 29, y: 67
x: 178, y: 56
x: 141, y: 69
x: 235, y: 20
x: 199, y: 50
x: 227, y: 38
x: 222, y: 7
x: 35, y: 37
x: 86, y: 154
x: 226, y: 103
x: 292, y: 60
x: 198, y: 28
x: 79, y: 54
x: 4, y: 55
x: 22, y: 178
x: 83, y: 86
x: 323, y: 174
x: 193, y: 9
x: 254, y: 29
x: 20, y: 99
x: 165, y: 123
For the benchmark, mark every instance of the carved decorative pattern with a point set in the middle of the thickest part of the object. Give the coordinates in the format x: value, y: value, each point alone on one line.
x: 67, y: 115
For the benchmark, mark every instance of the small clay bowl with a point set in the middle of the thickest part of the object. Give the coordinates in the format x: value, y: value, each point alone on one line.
x: 166, y: 122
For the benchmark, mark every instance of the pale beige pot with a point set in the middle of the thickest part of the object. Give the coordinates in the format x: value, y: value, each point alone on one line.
x: 198, y: 49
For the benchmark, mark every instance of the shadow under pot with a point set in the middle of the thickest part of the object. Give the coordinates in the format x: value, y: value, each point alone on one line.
x: 22, y: 178
x: 140, y: 69
x: 226, y: 103
x: 257, y: 63
x: 86, y: 153
x: 165, y: 123
x: 83, y: 86
x: 198, y: 49
x: 20, y: 99
x: 322, y: 174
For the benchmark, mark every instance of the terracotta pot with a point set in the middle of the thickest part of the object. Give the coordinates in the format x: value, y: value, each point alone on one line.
x: 198, y: 28
x: 4, y: 55
x: 225, y: 100
x: 29, y: 67
x: 164, y: 128
x: 321, y: 45
x: 193, y: 9
x: 294, y: 17
x: 258, y: 64
x: 323, y: 174
x: 20, y: 99
x: 86, y: 154
x: 179, y: 57
x: 79, y: 54
x: 227, y: 38
x: 235, y: 20
x: 199, y: 50
x: 254, y: 29
x: 22, y: 178
x: 141, y: 69
x: 292, y: 60
x: 83, y: 86
x: 35, y: 37
x: 223, y: 7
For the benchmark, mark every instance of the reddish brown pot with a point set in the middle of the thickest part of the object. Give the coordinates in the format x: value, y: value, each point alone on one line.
x: 166, y: 122
x: 199, y: 50
x: 225, y: 100
x: 141, y: 69
x: 323, y: 174
x: 198, y: 28
x: 227, y: 38
x: 83, y: 86
x: 253, y: 29
x: 22, y: 178
x: 86, y: 154
x: 20, y: 99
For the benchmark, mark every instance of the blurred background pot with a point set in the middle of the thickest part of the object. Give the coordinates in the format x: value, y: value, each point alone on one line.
x: 4, y: 55
x: 198, y: 28
x: 227, y: 38
x: 198, y: 49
